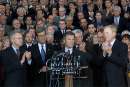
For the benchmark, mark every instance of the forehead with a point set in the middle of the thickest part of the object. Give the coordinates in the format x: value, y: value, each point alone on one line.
x: 91, y: 25
x: 29, y: 17
x: 98, y: 13
x: 28, y: 34
x: 78, y: 34
x: 41, y: 33
x: 107, y: 30
x: 17, y: 35
x: 2, y: 6
x: 83, y: 20
x: 15, y: 21
x: 69, y: 36
x: 80, y: 13
x: 62, y: 21
x: 107, y: 1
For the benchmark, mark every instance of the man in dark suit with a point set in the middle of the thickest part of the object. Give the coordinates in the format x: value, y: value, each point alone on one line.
x: 14, y: 62
x: 117, y: 19
x: 114, y: 58
x: 41, y: 52
x: 28, y: 44
x: 124, y: 6
x: 28, y: 41
x: 85, y: 57
x: 58, y: 35
x: 99, y: 20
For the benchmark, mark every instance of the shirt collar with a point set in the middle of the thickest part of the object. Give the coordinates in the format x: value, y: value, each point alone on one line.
x: 112, y: 42
x: 40, y: 45
x: 28, y: 45
x: 63, y: 17
x: 15, y: 49
x: 117, y: 16
x: 70, y: 49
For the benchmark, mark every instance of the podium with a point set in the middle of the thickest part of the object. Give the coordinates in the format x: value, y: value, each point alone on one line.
x: 68, y: 80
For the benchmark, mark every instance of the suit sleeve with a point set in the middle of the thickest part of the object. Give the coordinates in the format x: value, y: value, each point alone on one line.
x: 121, y: 58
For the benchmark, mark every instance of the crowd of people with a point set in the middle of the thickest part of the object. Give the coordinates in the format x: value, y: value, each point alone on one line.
x: 32, y: 31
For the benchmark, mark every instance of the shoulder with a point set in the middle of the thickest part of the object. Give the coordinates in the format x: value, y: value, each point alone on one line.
x: 35, y: 45
x: 121, y: 44
x: 6, y: 52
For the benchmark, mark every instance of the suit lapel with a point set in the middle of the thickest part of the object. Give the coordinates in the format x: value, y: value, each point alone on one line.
x: 39, y: 54
x: 114, y: 46
x: 12, y: 53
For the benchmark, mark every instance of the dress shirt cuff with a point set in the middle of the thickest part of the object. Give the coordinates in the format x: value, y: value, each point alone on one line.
x: 29, y: 61
x: 104, y: 54
x: 109, y: 55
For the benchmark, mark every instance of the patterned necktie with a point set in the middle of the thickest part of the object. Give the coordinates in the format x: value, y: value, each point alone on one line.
x: 43, y: 54
x: 18, y: 52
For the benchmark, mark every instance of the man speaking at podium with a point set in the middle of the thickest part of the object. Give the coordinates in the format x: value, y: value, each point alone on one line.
x: 69, y: 47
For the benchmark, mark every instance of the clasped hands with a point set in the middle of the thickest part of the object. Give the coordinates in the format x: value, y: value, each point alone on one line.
x: 26, y: 55
x: 107, y: 48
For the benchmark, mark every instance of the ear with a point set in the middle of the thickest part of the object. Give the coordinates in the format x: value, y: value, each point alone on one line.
x: 64, y: 41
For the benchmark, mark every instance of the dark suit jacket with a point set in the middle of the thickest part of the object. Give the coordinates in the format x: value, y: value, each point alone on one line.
x: 24, y: 46
x: 15, y: 73
x: 122, y: 23
x: 36, y: 56
x: 58, y: 35
x: 85, y: 59
x: 29, y: 67
x: 101, y: 24
x: 40, y: 79
x: 97, y: 66
x: 114, y: 67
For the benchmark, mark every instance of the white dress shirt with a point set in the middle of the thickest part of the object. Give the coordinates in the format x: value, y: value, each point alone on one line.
x: 111, y: 44
x: 40, y: 47
x: 116, y: 20
x: 28, y: 45
x: 15, y: 49
x: 69, y: 49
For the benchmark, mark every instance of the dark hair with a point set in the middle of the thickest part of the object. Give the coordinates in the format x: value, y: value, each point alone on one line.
x: 26, y: 32
x: 69, y: 33
x: 126, y: 36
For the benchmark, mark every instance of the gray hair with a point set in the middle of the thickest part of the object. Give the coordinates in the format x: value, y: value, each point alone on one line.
x: 112, y: 27
x: 13, y: 33
x: 62, y: 9
x: 117, y: 8
x: 77, y: 31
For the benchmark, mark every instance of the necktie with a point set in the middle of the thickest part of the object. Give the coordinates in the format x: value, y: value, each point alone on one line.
x: 43, y: 54
x: 63, y: 31
x: 116, y: 21
x: 18, y: 52
x: 29, y: 48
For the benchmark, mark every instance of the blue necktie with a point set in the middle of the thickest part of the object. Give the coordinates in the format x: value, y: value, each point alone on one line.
x: 43, y: 55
